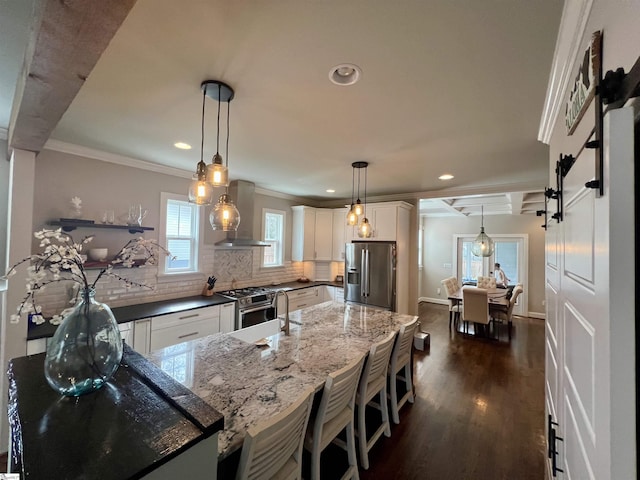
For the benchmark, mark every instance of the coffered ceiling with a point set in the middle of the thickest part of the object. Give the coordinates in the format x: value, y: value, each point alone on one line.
x: 514, y: 203
x: 447, y: 86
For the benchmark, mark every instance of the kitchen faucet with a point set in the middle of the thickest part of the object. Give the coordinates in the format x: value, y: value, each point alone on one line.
x: 285, y: 328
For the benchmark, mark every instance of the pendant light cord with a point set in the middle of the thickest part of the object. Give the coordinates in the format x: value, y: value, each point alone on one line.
x: 204, y: 95
x: 353, y: 183
x: 359, y: 183
x: 228, y: 115
x: 218, y: 129
x: 365, y: 192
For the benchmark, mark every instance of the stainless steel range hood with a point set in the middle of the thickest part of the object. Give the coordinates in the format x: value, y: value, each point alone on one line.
x: 242, y: 194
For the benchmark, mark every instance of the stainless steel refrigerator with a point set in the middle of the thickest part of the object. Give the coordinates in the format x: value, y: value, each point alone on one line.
x: 370, y: 273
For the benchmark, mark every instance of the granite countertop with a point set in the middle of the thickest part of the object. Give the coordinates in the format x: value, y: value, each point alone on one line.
x: 137, y: 422
x: 138, y: 311
x: 248, y: 383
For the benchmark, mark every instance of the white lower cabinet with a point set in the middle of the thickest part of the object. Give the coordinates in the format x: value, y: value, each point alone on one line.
x: 333, y: 293
x: 183, y: 326
x: 126, y: 332
x: 141, y: 335
x: 227, y: 317
x: 39, y: 345
x: 302, y: 298
x: 158, y: 332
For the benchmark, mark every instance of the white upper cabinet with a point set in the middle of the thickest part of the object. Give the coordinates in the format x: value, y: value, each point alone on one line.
x: 384, y: 220
x: 339, y: 233
x: 312, y: 234
x: 324, y: 234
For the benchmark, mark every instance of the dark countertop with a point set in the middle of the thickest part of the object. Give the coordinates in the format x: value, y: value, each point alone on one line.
x: 138, y: 311
x: 130, y: 313
x: 137, y: 422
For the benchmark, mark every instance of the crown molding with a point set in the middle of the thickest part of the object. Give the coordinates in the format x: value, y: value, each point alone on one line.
x: 575, y: 15
x: 72, y: 149
x: 273, y: 193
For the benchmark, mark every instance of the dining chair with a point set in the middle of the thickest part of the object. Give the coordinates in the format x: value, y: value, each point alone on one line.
x: 273, y: 449
x: 373, y: 381
x: 476, y: 306
x: 451, y: 286
x: 486, y: 282
x: 401, y: 360
x: 503, y: 315
x: 335, y: 414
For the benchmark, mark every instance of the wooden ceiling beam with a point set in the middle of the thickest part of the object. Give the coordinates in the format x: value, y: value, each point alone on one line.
x: 67, y: 39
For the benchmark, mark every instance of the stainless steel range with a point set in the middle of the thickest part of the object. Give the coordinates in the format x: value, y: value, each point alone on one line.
x: 253, y: 306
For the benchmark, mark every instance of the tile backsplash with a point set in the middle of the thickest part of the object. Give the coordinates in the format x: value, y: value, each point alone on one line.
x: 234, y: 268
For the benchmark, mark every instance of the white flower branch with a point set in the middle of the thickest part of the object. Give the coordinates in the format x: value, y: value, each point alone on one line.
x: 61, y: 261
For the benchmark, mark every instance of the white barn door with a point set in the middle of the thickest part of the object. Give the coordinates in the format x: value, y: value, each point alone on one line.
x: 590, y: 333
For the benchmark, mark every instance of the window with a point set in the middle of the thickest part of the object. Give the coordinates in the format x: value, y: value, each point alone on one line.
x: 180, y: 234
x: 471, y: 265
x: 273, y: 233
x: 507, y: 254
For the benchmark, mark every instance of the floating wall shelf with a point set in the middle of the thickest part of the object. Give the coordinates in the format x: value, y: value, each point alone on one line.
x: 70, y: 225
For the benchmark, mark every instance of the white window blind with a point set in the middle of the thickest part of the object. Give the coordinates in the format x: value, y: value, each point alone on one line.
x: 181, y: 231
x: 273, y: 234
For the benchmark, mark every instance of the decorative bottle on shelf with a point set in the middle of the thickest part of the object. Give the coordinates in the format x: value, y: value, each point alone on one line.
x: 85, y: 350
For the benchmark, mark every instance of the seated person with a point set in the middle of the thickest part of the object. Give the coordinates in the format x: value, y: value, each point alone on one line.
x: 501, y: 278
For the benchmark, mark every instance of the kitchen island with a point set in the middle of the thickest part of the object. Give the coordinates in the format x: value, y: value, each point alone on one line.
x: 249, y: 383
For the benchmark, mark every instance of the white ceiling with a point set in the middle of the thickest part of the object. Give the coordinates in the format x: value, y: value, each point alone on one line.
x: 448, y: 86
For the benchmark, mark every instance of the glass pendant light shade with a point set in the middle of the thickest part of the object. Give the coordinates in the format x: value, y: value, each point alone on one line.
x: 217, y: 173
x: 364, y: 230
x: 200, y: 191
x: 224, y: 215
x: 483, y: 245
x: 358, y: 208
x: 352, y: 217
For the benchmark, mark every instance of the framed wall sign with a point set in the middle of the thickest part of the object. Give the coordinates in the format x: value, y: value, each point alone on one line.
x: 584, y: 85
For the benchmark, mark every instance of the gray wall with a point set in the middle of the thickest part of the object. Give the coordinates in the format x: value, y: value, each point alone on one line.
x: 438, y: 250
x: 101, y: 186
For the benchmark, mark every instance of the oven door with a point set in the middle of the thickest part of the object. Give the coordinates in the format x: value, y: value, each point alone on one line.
x: 256, y: 315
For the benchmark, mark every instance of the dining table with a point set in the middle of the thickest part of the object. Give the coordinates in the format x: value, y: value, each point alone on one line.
x: 496, y: 297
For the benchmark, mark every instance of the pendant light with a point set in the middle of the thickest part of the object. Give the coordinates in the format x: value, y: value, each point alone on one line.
x: 352, y: 218
x: 200, y: 190
x: 364, y: 229
x: 358, y: 209
x: 224, y: 215
x: 482, y: 245
x: 217, y: 173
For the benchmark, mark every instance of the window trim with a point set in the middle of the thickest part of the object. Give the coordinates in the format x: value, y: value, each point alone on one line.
x: 163, y: 275
x: 282, y: 239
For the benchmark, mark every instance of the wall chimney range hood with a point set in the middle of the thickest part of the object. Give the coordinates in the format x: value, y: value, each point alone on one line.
x: 242, y: 194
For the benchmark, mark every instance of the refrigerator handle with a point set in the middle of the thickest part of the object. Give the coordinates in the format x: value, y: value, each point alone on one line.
x: 363, y: 273
x: 365, y: 280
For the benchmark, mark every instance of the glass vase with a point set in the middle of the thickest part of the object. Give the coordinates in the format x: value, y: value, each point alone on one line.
x: 85, y: 350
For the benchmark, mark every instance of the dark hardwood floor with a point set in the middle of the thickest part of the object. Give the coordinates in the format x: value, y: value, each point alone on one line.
x: 478, y: 413
x: 479, y: 408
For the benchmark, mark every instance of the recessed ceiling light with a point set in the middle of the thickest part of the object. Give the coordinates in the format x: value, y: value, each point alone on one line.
x: 182, y: 146
x: 330, y: 190
x: 446, y: 176
x: 345, y: 74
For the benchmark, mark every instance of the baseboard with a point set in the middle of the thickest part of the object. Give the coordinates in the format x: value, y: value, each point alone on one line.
x: 539, y: 315
x: 433, y: 300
